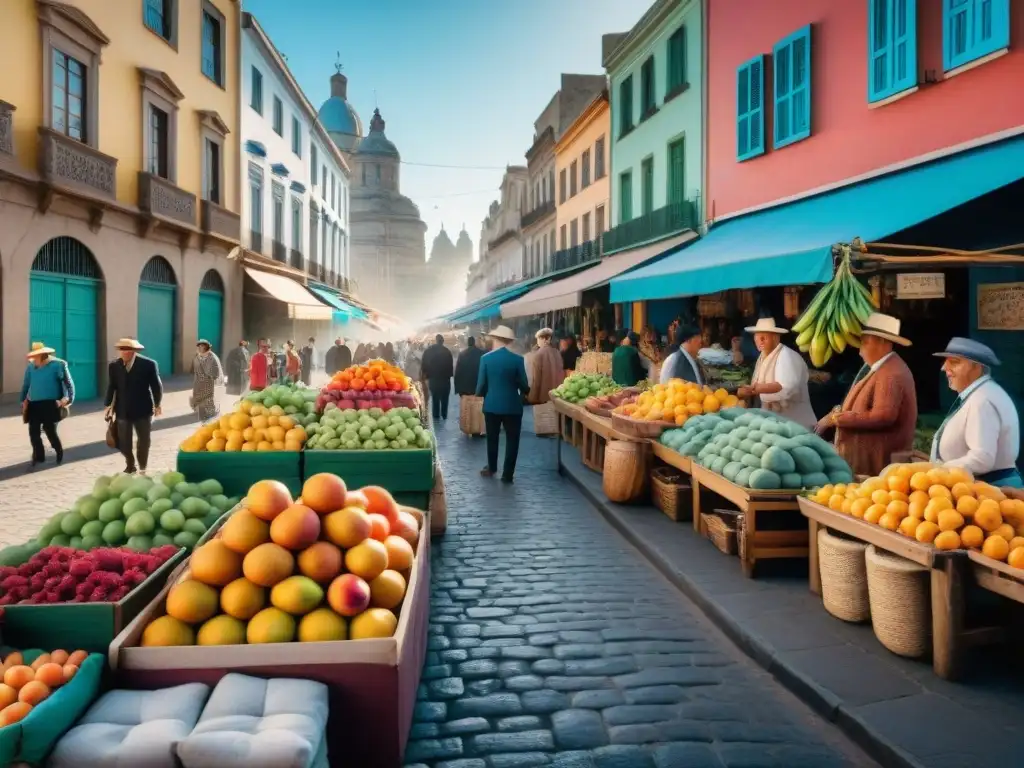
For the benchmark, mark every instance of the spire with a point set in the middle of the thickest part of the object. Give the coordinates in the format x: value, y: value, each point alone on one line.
x: 339, y: 83
x: 377, y: 122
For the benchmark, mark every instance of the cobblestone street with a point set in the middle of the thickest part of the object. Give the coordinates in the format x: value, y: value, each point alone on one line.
x: 554, y: 644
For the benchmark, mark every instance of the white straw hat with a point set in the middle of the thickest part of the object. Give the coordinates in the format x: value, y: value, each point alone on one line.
x: 885, y: 327
x: 126, y: 343
x: 38, y: 348
x: 765, y: 325
x: 502, y: 332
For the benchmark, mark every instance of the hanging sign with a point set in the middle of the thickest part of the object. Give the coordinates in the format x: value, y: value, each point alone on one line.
x: 921, y: 285
x: 1001, y: 307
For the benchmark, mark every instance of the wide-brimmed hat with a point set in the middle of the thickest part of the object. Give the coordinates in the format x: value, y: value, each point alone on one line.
x: 502, y: 332
x: 126, y: 343
x: 765, y: 325
x: 544, y: 332
x: 969, y: 349
x: 885, y: 327
x: 204, y: 341
x: 38, y: 348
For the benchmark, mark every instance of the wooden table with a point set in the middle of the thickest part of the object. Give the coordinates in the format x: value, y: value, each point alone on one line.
x: 950, y: 574
x: 757, y: 545
x: 588, y: 432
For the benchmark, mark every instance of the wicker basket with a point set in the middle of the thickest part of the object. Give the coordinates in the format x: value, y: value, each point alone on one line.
x: 599, y: 407
x: 471, y: 415
x: 637, y: 428
x: 624, y: 475
x: 595, y: 362
x: 545, y: 419
x: 844, y: 577
x: 900, y: 595
x: 722, y: 526
x: 671, y: 493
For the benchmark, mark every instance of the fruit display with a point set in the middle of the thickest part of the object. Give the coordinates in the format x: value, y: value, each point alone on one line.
x: 376, y: 384
x: 332, y: 566
x: 833, y: 319
x: 579, y: 386
x: 935, y: 505
x: 759, y: 450
x: 67, y: 575
x: 368, y: 429
x: 603, y: 405
x: 676, y: 401
x: 256, y: 426
x: 25, y: 685
x: 138, y: 512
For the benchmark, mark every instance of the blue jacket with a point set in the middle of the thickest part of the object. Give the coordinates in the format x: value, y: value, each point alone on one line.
x: 48, y: 382
x: 502, y: 382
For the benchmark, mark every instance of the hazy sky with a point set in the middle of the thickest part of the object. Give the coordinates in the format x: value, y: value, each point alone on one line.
x: 458, y: 82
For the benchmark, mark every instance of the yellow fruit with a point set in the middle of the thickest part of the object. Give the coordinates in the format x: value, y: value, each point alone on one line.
x: 919, y: 496
x: 215, y: 564
x: 1016, y: 557
x: 939, y: 492
x: 387, y: 590
x: 948, y: 540
x: 986, y: 491
x: 889, y: 521
x: 996, y: 547
x: 1006, y: 531
x: 926, y: 532
x: 938, y: 476
x: 373, y: 622
x: 880, y: 497
x: 823, y: 494
x: 1008, y: 509
x: 972, y: 536
x: 835, y: 502
x: 271, y: 625
x: 221, y: 630
x: 950, y: 520
x: 1016, y: 541
x: 859, y: 507
x: 959, y: 490
x: 919, y: 481
x: 874, y: 513
x: 935, y: 506
x: 987, y: 516
x: 322, y: 625
x: 898, y: 483
x: 167, y: 630
x: 268, y: 564
x: 243, y: 532
x: 298, y: 595
x: 368, y: 559
x: 908, y: 526
x: 242, y: 599
x: 192, y: 601
x: 899, y: 508
x: 899, y: 496
x: 967, y: 505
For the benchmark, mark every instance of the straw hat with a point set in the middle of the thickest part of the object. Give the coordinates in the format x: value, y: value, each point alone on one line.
x: 765, y: 325
x: 38, y: 348
x: 544, y: 332
x: 502, y: 332
x: 126, y: 343
x: 969, y: 349
x: 885, y: 327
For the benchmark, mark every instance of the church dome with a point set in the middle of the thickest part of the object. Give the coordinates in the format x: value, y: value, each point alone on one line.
x: 442, y: 240
x: 376, y: 143
x: 464, y: 241
x: 339, y: 117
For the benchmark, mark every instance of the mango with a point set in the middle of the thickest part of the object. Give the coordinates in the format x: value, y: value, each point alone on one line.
x: 271, y: 625
x: 322, y: 625
x: 242, y: 599
x: 298, y: 595
x: 221, y: 630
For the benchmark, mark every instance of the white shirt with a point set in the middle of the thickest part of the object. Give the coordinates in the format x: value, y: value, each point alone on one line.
x: 794, y: 398
x: 984, y: 435
x: 670, y: 363
x: 878, y: 363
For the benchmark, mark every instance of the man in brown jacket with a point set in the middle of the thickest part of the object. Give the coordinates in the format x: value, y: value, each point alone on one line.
x: 879, y: 414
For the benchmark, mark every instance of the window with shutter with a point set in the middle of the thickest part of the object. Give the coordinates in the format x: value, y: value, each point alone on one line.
x: 626, y: 106
x: 750, y: 109
x: 647, y: 190
x: 892, y: 47
x: 625, y: 197
x: 676, y: 172
x: 792, y: 60
x: 676, y: 78
x: 972, y: 29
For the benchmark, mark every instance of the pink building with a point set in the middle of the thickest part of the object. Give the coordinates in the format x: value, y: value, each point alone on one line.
x: 802, y: 99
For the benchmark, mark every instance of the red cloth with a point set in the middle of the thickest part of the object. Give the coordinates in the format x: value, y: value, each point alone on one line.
x: 258, y: 371
x: 292, y: 364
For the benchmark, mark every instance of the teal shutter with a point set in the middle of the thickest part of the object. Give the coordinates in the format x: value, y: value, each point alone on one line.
x: 676, y: 62
x: 972, y: 29
x: 892, y: 47
x: 792, y: 60
x: 647, y: 190
x: 676, y: 172
x: 750, y: 109
x: 625, y: 197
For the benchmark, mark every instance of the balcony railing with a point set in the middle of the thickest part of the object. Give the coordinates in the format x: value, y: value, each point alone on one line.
x: 544, y: 209
x: 220, y: 222
x: 577, y: 255
x: 160, y: 198
x: 68, y: 163
x: 255, y: 241
x: 295, y: 259
x: 278, y: 251
x: 658, y: 224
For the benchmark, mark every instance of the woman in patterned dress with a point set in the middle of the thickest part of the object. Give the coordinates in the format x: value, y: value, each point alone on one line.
x: 207, y: 374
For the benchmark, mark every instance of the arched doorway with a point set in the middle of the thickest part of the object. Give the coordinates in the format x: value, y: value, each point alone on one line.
x: 158, y: 301
x: 64, y: 309
x: 211, y: 310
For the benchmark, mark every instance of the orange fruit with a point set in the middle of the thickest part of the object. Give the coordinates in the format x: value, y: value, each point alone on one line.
x: 932, y: 509
x: 926, y: 532
x: 380, y: 527
x: 874, y: 513
x: 898, y: 508
x: 967, y: 505
x: 19, y: 675
x: 889, y: 521
x: 987, y: 516
x: 919, y: 481
x: 959, y: 490
x: 400, y: 553
x: 916, y: 508
x: 33, y: 692
x: 996, y: 547
x: 1016, y: 541
x: 69, y: 670
x: 59, y: 657
x: 880, y: 497
x: 950, y: 520
x: 77, y: 658
x: 939, y: 491
x: 859, y: 507
x: 367, y: 559
x: 899, y: 483
x: 1016, y: 557
x: 8, y: 695
x: 51, y: 675
x: 948, y: 540
x: 972, y: 537
x: 14, y: 713
x: 921, y: 496
x: 908, y: 526
x: 1006, y: 531
x: 42, y: 658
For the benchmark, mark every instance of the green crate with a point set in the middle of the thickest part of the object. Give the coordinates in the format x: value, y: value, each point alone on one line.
x: 400, y: 471
x: 237, y: 471
x: 87, y: 626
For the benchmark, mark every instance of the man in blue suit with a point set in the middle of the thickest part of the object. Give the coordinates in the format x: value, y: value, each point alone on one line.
x: 503, y: 385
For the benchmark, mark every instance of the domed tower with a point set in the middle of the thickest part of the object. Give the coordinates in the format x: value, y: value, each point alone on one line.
x: 441, y: 252
x: 340, y: 118
x: 464, y: 250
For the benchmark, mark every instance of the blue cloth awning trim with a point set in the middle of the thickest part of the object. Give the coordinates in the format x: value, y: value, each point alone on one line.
x: 296, y: 187
x: 792, y: 244
x: 338, y: 303
x: 279, y: 169
x: 490, y: 305
x: 255, y: 148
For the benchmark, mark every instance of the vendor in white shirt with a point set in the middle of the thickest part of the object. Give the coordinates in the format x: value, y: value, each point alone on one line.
x: 780, y: 376
x: 682, y: 363
x: 981, y: 433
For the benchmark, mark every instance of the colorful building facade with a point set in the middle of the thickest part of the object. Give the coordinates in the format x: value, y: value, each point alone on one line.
x: 583, y: 154
x: 120, y: 166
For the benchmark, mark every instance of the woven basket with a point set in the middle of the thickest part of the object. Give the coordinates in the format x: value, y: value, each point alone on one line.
x: 844, y: 577
x: 471, y: 415
x: 438, y: 505
x: 545, y: 419
x: 900, y: 595
x: 722, y: 526
x: 637, y: 428
x: 625, y: 471
x: 671, y: 493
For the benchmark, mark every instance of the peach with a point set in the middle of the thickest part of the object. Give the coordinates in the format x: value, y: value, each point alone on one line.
x: 380, y: 528
x: 43, y: 658
x: 400, y: 554
x: 51, y: 675
x: 14, y: 713
x: 296, y: 527
x: 324, y: 493
x: 8, y: 695
x: 407, y: 527
x: 76, y: 658
x: 59, y: 657
x: 33, y: 692
x: 18, y: 675
x: 321, y: 562
x: 69, y: 670
x: 380, y: 502
x: 348, y: 595
x: 387, y: 590
x: 346, y: 527
x: 367, y: 559
x: 357, y: 499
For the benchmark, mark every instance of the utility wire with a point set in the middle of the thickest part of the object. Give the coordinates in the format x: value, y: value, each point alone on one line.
x: 453, y: 194
x: 431, y: 165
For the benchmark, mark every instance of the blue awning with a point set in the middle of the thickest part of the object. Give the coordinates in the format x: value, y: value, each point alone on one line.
x: 792, y: 244
x: 490, y: 305
x: 338, y: 303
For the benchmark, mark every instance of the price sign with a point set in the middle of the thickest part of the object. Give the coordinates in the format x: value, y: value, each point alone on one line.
x: 921, y: 285
x: 1001, y: 307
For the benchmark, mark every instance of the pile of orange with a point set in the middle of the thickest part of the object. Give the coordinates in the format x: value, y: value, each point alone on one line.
x: 24, y: 686
x: 375, y: 376
x: 253, y: 427
x: 676, y: 401
x: 936, y: 505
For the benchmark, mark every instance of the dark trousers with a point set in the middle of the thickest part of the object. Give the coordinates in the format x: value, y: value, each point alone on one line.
x: 513, y: 428
x: 440, y: 392
x: 142, y: 428
x: 44, y: 415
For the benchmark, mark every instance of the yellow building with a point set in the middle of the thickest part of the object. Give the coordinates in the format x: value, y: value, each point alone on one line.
x: 119, y: 191
x: 581, y: 167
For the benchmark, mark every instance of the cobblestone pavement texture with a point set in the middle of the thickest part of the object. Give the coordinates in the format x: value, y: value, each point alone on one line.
x: 553, y: 643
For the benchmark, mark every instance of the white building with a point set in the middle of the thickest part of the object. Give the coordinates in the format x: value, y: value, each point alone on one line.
x: 295, y: 206
x: 501, y: 238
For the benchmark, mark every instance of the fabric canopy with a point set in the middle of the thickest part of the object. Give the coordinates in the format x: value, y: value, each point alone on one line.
x: 302, y: 305
x: 339, y: 304
x: 792, y: 244
x: 568, y: 293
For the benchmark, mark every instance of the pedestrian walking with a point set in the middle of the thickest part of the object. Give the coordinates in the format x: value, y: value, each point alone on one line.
x: 546, y: 369
x: 46, y: 394
x: 503, y: 385
x: 338, y: 358
x: 307, y: 356
x: 236, y: 363
x: 207, y: 373
x: 292, y: 363
x: 467, y: 368
x: 261, y: 366
x: 134, y: 392
x: 437, y: 370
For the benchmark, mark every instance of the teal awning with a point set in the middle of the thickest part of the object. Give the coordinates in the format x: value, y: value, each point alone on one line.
x: 792, y: 244
x: 490, y: 305
x: 338, y: 303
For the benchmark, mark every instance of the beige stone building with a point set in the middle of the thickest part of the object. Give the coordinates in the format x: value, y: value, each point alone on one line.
x: 118, y: 181
x: 501, y: 235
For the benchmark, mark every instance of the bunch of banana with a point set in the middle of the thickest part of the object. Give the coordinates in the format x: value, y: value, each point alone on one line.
x: 833, y: 320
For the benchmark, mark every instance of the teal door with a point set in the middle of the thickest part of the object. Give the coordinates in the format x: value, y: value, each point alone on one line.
x: 211, y: 318
x: 156, y: 324
x: 64, y: 314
